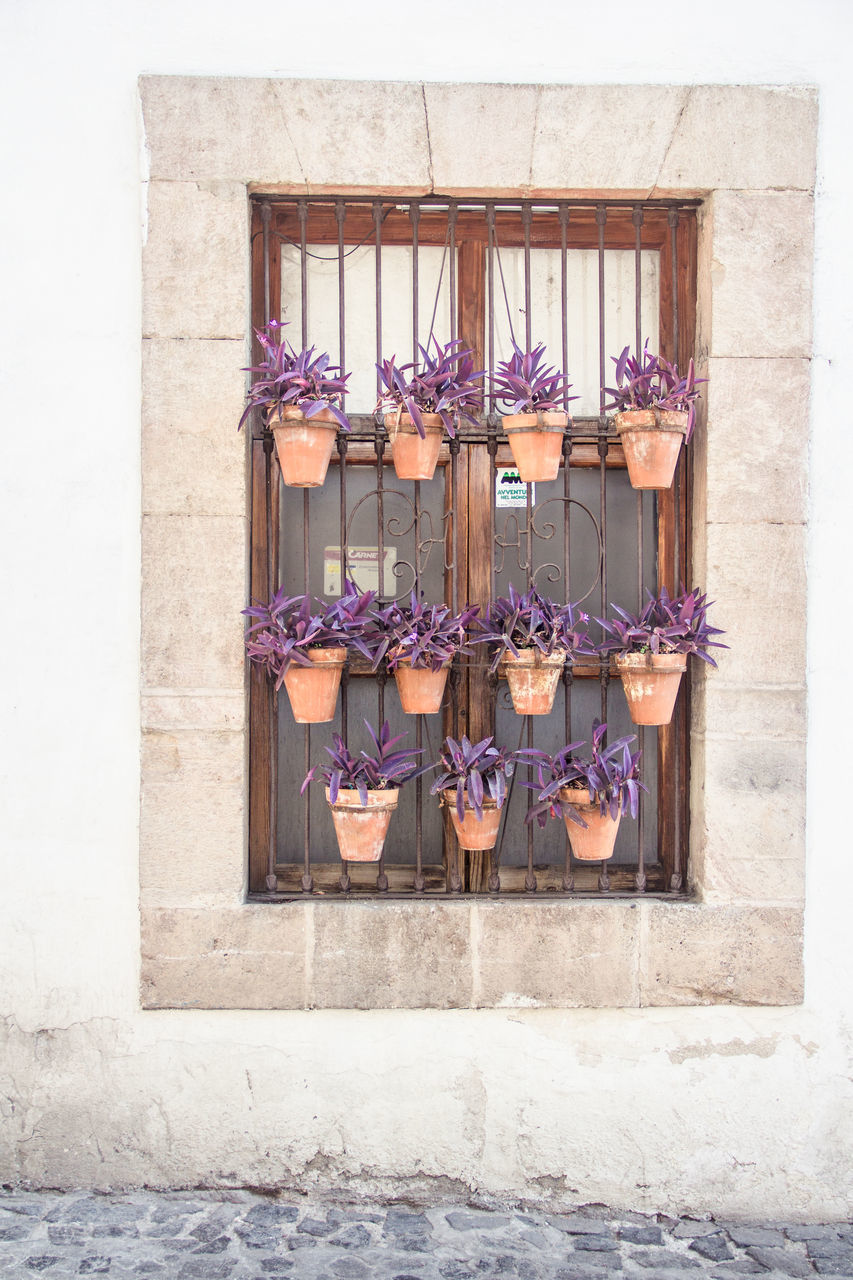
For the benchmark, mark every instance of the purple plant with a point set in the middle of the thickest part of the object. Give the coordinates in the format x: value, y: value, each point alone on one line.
x: 362, y: 773
x: 289, y: 377
x: 444, y: 383
x: 611, y: 774
x: 530, y: 621
x: 523, y: 385
x: 650, y: 382
x: 430, y: 635
x: 476, y: 768
x: 666, y: 625
x: 286, y: 630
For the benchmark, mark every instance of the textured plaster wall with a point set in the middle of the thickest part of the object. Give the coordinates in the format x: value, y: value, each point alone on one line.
x: 738, y: 1110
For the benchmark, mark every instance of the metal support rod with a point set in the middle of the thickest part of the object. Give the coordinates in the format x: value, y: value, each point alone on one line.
x: 303, y: 266
x: 451, y: 227
x: 637, y: 219
x: 526, y: 214
x: 672, y: 218
x: 414, y: 215
x: 604, y: 673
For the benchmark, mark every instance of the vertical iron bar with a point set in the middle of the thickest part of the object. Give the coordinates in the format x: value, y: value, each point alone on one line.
x: 303, y: 266
x: 601, y: 219
x: 414, y: 215
x: 379, y: 445
x: 271, y: 881
x: 675, y: 883
x: 530, y: 878
x: 492, y: 414
x: 568, y: 881
x: 525, y: 222
x: 637, y: 219
x: 451, y: 223
x: 340, y: 215
x: 307, y: 879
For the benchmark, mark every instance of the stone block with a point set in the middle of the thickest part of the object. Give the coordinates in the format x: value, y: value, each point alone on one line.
x: 561, y: 954
x: 352, y: 135
x: 193, y: 573
x: 702, y: 954
x: 721, y: 708
x: 166, y: 710
x: 756, y: 578
x: 193, y: 459
x: 586, y: 137
x: 204, y: 128
x: 748, y: 832
x: 761, y: 273
x: 192, y: 818
x: 195, y: 261
x: 481, y: 136
x: 375, y: 955
x: 757, y: 440
x: 742, y: 137
x: 251, y: 957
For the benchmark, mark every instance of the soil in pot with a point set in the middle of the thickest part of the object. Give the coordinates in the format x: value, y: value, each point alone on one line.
x: 304, y: 446
x: 596, y: 841
x: 651, y: 439
x: 414, y: 458
x: 421, y: 690
x: 313, y: 691
x: 361, y: 829
x: 533, y: 678
x: 536, y: 441
x: 474, y: 833
x: 651, y: 682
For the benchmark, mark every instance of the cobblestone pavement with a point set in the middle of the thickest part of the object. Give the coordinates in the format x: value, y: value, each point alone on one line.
x: 237, y: 1235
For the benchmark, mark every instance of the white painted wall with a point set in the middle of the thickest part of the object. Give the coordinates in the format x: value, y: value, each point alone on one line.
x: 746, y: 1111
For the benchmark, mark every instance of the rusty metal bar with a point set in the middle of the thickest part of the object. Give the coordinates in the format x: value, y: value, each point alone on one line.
x: 451, y: 227
x: 526, y: 214
x: 568, y: 880
x: 637, y: 219
x: 414, y: 216
x: 604, y: 673
x: 672, y: 219
x: 303, y: 266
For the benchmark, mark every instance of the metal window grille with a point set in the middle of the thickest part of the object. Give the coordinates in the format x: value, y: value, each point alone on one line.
x: 597, y: 275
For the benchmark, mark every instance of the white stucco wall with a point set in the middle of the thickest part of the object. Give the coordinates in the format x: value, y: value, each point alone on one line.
x: 735, y: 1110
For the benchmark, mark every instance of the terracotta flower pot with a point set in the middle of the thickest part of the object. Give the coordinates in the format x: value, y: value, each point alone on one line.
x: 474, y: 833
x: 651, y: 681
x: 414, y: 458
x: 595, y: 842
x: 651, y: 439
x: 536, y: 441
x: 313, y: 691
x: 533, y: 678
x: 421, y: 690
x: 304, y: 445
x: 361, y: 829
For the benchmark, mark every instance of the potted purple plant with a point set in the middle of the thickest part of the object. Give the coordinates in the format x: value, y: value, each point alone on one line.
x: 532, y: 638
x: 590, y: 792
x: 473, y: 787
x: 305, y: 650
x: 362, y: 791
x: 423, y: 399
x: 655, y: 409
x: 536, y: 396
x: 301, y: 395
x: 650, y: 650
x: 419, y: 642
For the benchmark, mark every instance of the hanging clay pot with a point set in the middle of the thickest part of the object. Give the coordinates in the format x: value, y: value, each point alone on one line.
x: 651, y: 681
x: 361, y: 829
x: 414, y: 458
x: 474, y: 832
x: 313, y: 691
x: 533, y: 678
x: 421, y: 689
x: 536, y: 441
x: 595, y: 841
x: 304, y: 445
x: 651, y: 439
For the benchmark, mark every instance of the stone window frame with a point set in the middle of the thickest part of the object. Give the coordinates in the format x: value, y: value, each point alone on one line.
x: 740, y: 939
